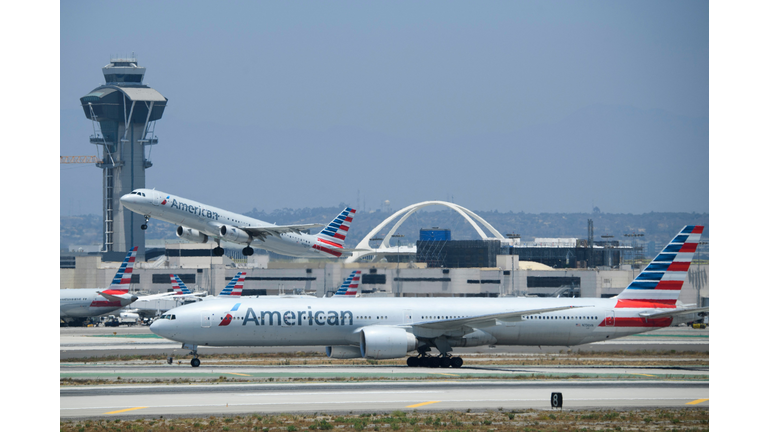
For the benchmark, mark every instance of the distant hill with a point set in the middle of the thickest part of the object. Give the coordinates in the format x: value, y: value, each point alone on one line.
x: 656, y: 227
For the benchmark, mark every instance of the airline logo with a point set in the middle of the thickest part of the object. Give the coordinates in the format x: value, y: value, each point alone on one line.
x: 659, y: 285
x: 121, y: 282
x: 178, y: 286
x: 235, y: 286
x: 350, y: 285
x: 228, y: 319
x: 333, y: 235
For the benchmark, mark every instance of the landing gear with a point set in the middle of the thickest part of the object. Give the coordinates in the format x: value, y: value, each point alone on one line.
x: 443, y: 361
x: 193, y: 351
x: 247, y: 251
x: 218, y: 250
x: 146, y: 221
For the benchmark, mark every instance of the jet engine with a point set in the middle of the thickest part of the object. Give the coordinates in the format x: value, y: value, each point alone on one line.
x: 379, y: 342
x: 234, y: 235
x: 191, y: 234
x: 343, y: 352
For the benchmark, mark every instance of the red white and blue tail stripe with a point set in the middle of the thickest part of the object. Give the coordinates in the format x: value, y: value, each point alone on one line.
x: 350, y: 285
x: 122, y: 279
x: 178, y: 286
x: 331, y: 239
x: 659, y: 285
x: 235, y: 286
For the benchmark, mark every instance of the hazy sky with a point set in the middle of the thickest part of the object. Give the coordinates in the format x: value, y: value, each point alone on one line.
x: 549, y: 106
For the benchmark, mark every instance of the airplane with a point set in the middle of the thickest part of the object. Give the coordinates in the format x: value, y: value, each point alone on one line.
x: 180, y: 289
x: 200, y: 222
x: 79, y: 304
x: 388, y: 328
x: 235, y: 287
x: 349, y: 287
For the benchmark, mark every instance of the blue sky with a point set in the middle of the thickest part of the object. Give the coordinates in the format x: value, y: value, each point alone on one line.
x: 546, y: 106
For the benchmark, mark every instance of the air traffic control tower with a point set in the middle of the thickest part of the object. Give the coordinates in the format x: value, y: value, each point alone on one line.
x: 123, y: 112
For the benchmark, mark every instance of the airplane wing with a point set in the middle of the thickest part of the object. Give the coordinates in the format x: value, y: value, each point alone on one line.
x: 160, y: 296
x: 673, y: 312
x: 485, y: 320
x: 261, y: 233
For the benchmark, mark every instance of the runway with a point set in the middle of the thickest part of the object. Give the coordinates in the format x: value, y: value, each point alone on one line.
x: 217, y: 399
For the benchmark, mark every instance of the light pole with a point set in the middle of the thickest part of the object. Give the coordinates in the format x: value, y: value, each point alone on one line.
x: 399, y: 282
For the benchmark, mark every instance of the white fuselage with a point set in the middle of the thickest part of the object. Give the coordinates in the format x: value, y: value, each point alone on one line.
x: 208, y: 220
x: 87, y: 302
x: 275, y: 321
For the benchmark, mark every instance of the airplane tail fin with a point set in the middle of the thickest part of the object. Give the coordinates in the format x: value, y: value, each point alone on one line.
x: 331, y: 239
x: 179, y: 287
x: 350, y: 285
x: 235, y: 286
x: 659, y: 285
x: 122, y: 280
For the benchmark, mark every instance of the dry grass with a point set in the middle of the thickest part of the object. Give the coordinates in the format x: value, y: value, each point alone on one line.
x: 679, y: 419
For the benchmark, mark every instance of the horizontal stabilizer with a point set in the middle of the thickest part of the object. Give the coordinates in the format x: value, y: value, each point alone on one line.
x: 115, y: 298
x: 673, y: 312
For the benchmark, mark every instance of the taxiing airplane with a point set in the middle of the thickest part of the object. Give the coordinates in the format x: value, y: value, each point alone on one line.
x: 349, y: 287
x: 79, y: 304
x: 198, y: 222
x: 387, y: 328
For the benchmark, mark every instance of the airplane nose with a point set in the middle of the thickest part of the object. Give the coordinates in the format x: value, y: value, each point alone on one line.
x: 157, y: 327
x: 128, y: 198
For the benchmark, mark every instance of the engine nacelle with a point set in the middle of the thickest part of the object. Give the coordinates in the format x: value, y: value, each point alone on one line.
x: 343, y: 352
x: 234, y: 235
x: 380, y: 342
x: 191, y: 234
x: 476, y: 338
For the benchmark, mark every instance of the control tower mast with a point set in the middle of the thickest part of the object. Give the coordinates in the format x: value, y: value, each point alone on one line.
x: 123, y: 112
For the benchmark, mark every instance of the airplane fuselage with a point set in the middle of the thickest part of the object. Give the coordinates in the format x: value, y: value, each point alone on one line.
x: 209, y: 220
x: 265, y: 321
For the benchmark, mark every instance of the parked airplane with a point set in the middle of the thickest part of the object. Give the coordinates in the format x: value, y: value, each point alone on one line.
x: 79, y: 304
x: 198, y: 222
x: 386, y: 328
x: 235, y: 287
x: 180, y: 289
x: 349, y: 287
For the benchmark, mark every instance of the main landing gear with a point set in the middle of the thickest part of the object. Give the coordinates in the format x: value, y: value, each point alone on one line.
x: 146, y: 221
x: 218, y: 250
x: 442, y: 361
x: 248, y: 251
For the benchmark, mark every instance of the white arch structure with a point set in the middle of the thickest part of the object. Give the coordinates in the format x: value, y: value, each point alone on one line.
x: 364, y: 247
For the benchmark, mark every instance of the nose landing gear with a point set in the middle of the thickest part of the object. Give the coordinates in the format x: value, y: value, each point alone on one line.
x: 146, y: 221
x: 193, y: 352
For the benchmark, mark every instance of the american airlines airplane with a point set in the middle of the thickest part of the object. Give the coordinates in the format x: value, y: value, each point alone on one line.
x: 350, y: 285
x: 79, y: 304
x: 388, y: 328
x: 198, y: 222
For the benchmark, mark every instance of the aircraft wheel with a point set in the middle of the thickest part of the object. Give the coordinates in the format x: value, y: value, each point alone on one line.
x: 445, y: 362
x: 456, y: 362
x: 248, y: 251
x: 144, y: 226
x: 195, y: 362
x: 433, y: 362
x: 218, y: 251
x: 412, y: 362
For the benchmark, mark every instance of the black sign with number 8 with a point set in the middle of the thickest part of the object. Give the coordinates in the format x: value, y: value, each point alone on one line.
x: 556, y: 400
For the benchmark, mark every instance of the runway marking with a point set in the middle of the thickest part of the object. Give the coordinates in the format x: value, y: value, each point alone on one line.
x: 124, y: 410
x: 438, y: 373
x: 697, y: 401
x: 421, y: 404
x: 644, y: 374
x: 235, y: 373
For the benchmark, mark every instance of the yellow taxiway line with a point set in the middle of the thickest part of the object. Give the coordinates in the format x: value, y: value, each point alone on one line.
x: 421, y: 404
x: 124, y: 410
x: 697, y: 401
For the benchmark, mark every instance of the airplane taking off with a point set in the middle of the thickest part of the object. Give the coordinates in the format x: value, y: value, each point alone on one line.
x: 349, y: 287
x: 387, y: 328
x: 79, y: 304
x: 199, y: 222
